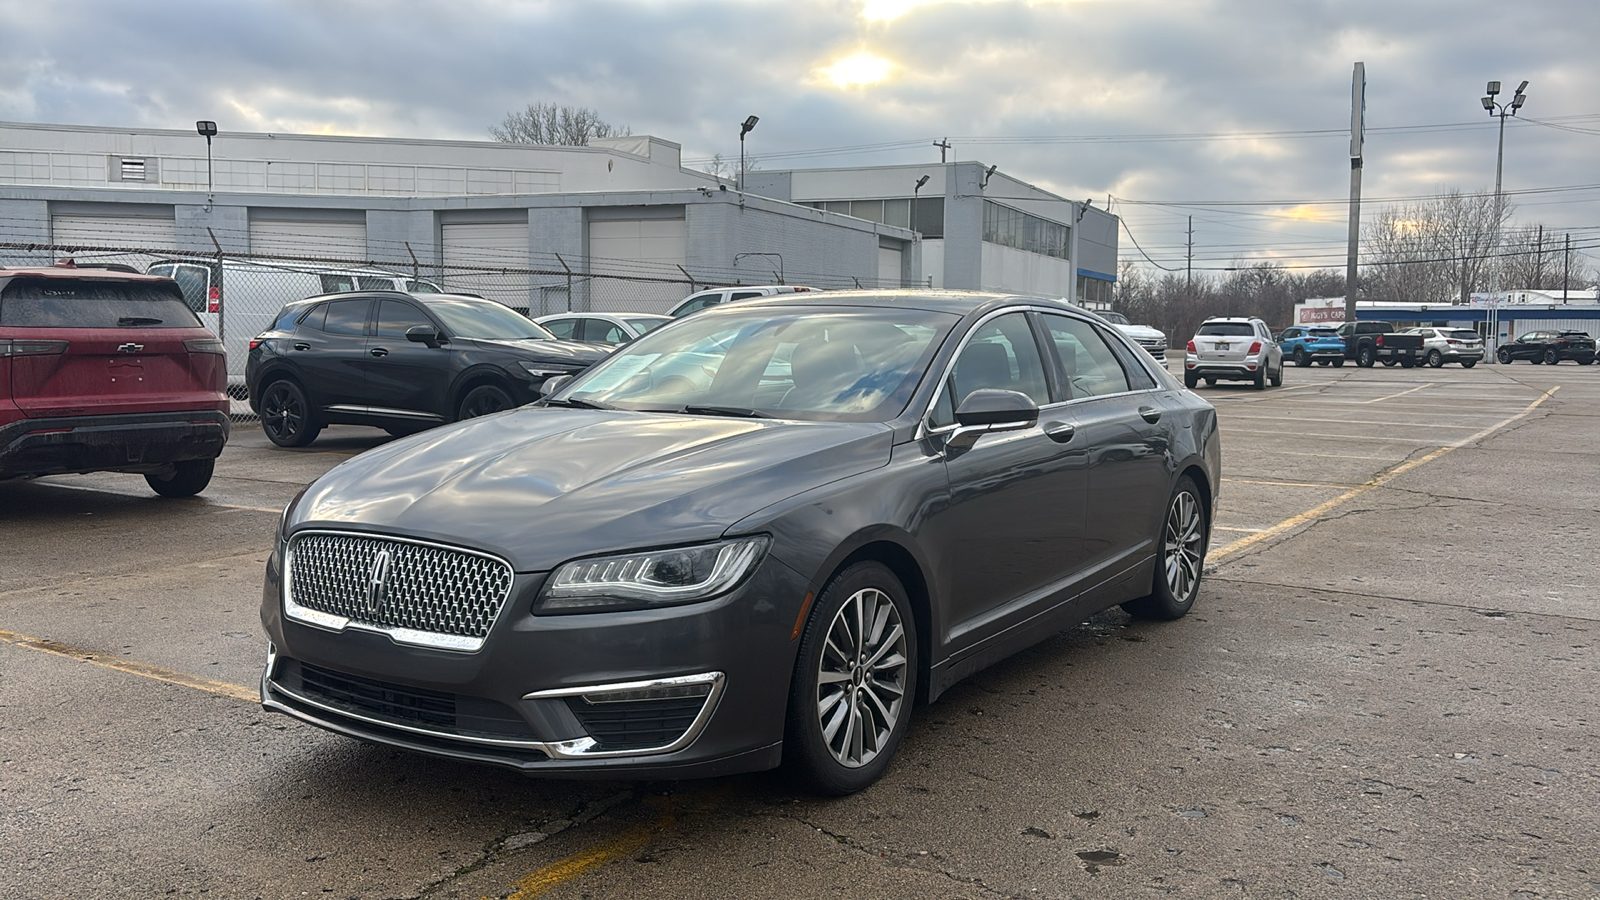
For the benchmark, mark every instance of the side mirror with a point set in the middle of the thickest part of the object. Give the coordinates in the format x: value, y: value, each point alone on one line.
x: 554, y: 383
x: 987, y: 411
x: 424, y: 334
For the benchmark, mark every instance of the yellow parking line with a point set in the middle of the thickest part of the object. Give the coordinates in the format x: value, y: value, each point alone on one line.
x: 1402, y: 393
x: 540, y: 881
x: 143, y: 670
x: 1382, y: 479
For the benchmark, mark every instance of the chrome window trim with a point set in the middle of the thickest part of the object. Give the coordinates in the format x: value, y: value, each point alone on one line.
x: 575, y: 749
x: 408, y: 636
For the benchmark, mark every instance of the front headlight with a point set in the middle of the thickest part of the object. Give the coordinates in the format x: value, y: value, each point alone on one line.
x: 651, y: 578
x: 544, y: 370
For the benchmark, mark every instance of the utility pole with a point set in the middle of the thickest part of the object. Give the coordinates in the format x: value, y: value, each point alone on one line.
x: 1538, y: 260
x: 1188, y: 266
x: 1566, y: 268
x: 1358, y: 116
x: 943, y: 145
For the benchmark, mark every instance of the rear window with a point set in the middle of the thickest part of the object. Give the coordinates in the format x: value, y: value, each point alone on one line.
x: 1228, y: 329
x: 63, y: 303
x: 1462, y: 334
x: 1321, y: 332
x: 1575, y: 335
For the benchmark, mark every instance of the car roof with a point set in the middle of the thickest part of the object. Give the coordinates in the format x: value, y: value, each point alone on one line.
x: 957, y: 302
x: 60, y: 271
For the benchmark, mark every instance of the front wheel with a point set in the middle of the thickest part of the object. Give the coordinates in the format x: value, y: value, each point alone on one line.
x: 1180, y: 557
x: 482, y: 401
x: 1503, y: 355
x: 186, y: 479
x: 1436, y: 359
x: 854, y: 682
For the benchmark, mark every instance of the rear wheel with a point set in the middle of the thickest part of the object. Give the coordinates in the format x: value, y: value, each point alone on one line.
x: 1436, y: 359
x: 1365, y: 357
x: 286, y: 415
x: 1261, y: 379
x: 1338, y: 363
x: 1468, y: 363
x: 483, y: 400
x: 1190, y: 381
x: 1587, y: 361
x: 186, y: 479
x: 1301, y: 357
x: 1277, y: 377
x: 1180, y: 557
x: 1323, y: 362
x: 854, y: 681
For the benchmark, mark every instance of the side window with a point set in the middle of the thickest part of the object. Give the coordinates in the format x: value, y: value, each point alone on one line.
x: 395, y: 316
x: 347, y: 317
x: 1133, y: 361
x: 337, y: 284
x: 286, y: 317
x: 423, y: 287
x: 313, y: 320
x: 1088, y: 363
x: 561, y: 328
x: 194, y: 281
x: 602, y: 332
x: 1002, y: 355
x: 744, y: 295
x: 375, y: 283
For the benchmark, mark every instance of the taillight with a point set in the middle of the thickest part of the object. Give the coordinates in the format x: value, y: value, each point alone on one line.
x: 204, y: 345
x: 255, y: 342
x: 214, y: 299
x: 1378, y: 342
x: 32, y: 348
x: 1190, y: 348
x: 1255, y: 347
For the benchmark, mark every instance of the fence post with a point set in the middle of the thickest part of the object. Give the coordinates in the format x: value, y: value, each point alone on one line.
x: 569, y: 283
x: 222, y: 301
x: 416, y: 267
x: 693, y: 285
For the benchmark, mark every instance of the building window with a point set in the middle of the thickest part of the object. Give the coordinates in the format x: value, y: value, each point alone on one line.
x: 1094, y: 293
x: 1013, y: 228
x: 896, y: 211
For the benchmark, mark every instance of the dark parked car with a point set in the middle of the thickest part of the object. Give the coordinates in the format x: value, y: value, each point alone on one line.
x: 1375, y: 342
x: 644, y: 578
x: 1549, y: 347
x: 105, y: 370
x: 402, y: 362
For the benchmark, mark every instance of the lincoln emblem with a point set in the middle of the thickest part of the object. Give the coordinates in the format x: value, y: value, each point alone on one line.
x: 377, y: 582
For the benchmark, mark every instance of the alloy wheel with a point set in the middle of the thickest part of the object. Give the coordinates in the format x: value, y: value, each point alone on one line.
x: 1184, y: 539
x: 862, y: 677
x: 283, y: 413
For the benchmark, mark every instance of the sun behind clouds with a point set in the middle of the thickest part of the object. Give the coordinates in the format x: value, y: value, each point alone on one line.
x: 857, y: 69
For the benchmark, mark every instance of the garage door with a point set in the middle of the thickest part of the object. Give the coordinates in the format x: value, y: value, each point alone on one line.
x: 473, y: 253
x: 889, y: 271
x: 313, y: 239
x: 637, y: 247
x: 159, y: 235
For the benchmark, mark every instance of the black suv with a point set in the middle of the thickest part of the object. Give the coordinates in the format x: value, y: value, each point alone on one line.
x: 401, y: 362
x: 1549, y: 347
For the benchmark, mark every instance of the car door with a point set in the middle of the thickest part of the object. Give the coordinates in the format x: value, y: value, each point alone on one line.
x: 328, y: 352
x: 1118, y: 412
x: 404, y: 377
x: 1012, y: 530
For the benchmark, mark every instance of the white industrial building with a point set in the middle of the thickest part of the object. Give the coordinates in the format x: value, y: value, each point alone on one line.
x: 617, y: 224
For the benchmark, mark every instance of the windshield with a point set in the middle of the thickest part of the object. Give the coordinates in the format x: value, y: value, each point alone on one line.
x: 484, y: 320
x: 1115, y: 318
x: 848, y: 365
x: 1228, y: 329
x: 643, y: 325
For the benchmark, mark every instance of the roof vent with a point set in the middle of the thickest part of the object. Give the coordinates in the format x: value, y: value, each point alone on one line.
x: 132, y: 169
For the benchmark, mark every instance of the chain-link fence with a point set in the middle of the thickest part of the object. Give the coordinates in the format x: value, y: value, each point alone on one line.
x: 238, y: 296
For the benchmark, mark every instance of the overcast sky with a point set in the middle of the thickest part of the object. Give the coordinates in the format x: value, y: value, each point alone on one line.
x: 1157, y: 104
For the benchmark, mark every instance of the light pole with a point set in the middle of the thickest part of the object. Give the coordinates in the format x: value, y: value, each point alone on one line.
x: 914, y: 192
x: 745, y: 128
x: 208, y: 130
x: 1501, y: 111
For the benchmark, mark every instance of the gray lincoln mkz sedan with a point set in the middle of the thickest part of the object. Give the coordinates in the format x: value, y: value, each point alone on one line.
x: 761, y: 533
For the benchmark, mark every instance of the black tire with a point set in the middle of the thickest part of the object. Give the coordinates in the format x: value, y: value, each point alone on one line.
x: 1277, y: 377
x: 1338, y: 363
x: 286, y: 415
x: 1388, y: 363
x: 1365, y: 357
x: 483, y: 400
x: 1503, y: 356
x: 1190, y: 381
x: 188, y: 478
x: 1301, y: 357
x: 1261, y: 379
x: 1536, y: 360
x: 833, y: 697
x: 1586, y: 362
x: 1436, y: 359
x: 1211, y: 382
x: 1180, y: 557
x: 1323, y: 362
x: 1468, y: 363
x: 1407, y: 362
x: 1551, y: 357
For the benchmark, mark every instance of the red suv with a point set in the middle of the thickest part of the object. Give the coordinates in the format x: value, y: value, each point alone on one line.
x: 104, y: 370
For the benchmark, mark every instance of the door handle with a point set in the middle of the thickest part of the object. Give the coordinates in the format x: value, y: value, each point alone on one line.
x: 1060, y: 432
x: 1150, y: 414
x: 301, y: 346
x: 379, y: 351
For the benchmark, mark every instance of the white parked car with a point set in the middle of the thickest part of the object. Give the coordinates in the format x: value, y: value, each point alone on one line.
x: 1233, y: 349
x: 1457, y: 345
x: 1151, y: 339
x: 716, y: 296
x: 601, y: 328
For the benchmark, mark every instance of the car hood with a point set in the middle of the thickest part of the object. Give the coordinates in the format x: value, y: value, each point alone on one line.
x: 574, y: 353
x: 1141, y: 331
x: 541, y: 485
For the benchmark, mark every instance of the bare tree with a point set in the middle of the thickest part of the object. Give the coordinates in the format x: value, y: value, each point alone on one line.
x: 1433, y: 251
x: 547, y: 123
x: 1535, y: 258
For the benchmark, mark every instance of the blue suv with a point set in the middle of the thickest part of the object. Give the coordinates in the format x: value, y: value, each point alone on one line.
x: 1306, y: 344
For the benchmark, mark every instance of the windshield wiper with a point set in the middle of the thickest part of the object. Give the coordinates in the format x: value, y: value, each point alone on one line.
x: 139, y: 320
x: 575, y: 403
x: 737, y: 412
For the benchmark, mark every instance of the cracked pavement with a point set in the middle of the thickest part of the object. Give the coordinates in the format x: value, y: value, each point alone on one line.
x: 1396, y: 699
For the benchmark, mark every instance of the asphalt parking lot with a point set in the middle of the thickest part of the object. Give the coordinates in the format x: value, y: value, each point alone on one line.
x: 1388, y: 688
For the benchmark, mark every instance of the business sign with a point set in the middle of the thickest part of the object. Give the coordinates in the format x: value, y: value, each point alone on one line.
x: 1319, y: 311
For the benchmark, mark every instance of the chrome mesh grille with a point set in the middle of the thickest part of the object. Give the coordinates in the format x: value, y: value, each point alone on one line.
x: 426, y: 588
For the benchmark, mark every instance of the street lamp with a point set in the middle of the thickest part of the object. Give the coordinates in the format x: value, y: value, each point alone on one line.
x: 208, y: 130
x: 1501, y: 111
x: 914, y: 192
x: 745, y: 128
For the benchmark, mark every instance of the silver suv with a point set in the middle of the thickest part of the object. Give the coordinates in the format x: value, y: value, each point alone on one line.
x: 1233, y: 350
x: 1457, y: 345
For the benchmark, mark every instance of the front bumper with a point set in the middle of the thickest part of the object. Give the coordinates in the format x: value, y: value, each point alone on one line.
x: 549, y: 695
x: 132, y: 442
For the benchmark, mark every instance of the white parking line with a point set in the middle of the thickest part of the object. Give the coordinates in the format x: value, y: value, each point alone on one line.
x: 1353, y: 422
x: 193, y: 501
